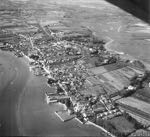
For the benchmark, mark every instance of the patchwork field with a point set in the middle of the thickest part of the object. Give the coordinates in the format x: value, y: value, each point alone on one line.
x: 117, y: 79
x: 113, y: 81
x: 110, y: 89
x: 141, y: 120
x: 135, y: 103
x: 113, y: 77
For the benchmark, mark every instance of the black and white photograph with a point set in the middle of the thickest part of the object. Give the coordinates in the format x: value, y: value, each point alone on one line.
x: 75, y: 68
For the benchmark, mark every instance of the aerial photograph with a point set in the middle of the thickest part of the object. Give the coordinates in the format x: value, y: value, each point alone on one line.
x: 75, y: 68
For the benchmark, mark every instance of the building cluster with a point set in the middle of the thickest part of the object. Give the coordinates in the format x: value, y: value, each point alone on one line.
x: 64, y: 59
x: 66, y: 64
x: 86, y: 78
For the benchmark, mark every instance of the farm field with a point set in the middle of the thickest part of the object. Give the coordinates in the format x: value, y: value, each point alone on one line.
x: 117, y: 79
x: 141, y: 120
x: 136, y: 103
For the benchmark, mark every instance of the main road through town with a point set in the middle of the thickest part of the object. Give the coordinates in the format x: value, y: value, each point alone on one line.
x: 23, y: 110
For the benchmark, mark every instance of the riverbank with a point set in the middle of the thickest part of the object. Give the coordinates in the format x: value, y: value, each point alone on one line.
x: 29, y: 114
x: 110, y: 43
x: 10, y: 94
x: 38, y: 118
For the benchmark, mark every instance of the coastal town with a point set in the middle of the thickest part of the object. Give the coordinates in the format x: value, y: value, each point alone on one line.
x: 94, y: 85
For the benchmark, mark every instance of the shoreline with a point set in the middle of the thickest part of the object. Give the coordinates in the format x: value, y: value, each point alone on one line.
x: 24, y: 60
x: 18, y: 84
x: 21, y: 94
x: 122, y: 54
x: 101, y: 128
x: 108, y: 47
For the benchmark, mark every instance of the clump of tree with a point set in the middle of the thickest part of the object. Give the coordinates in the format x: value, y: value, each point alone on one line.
x: 59, y: 90
x: 68, y: 103
x: 125, y: 93
x: 140, y: 81
x: 79, y: 116
x: 97, y: 64
x: 112, y: 59
x: 138, y: 64
x: 146, y: 77
x: 110, y: 127
x: 136, y: 82
x: 51, y: 81
x: 96, y: 40
x: 35, y: 57
x: 137, y: 125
